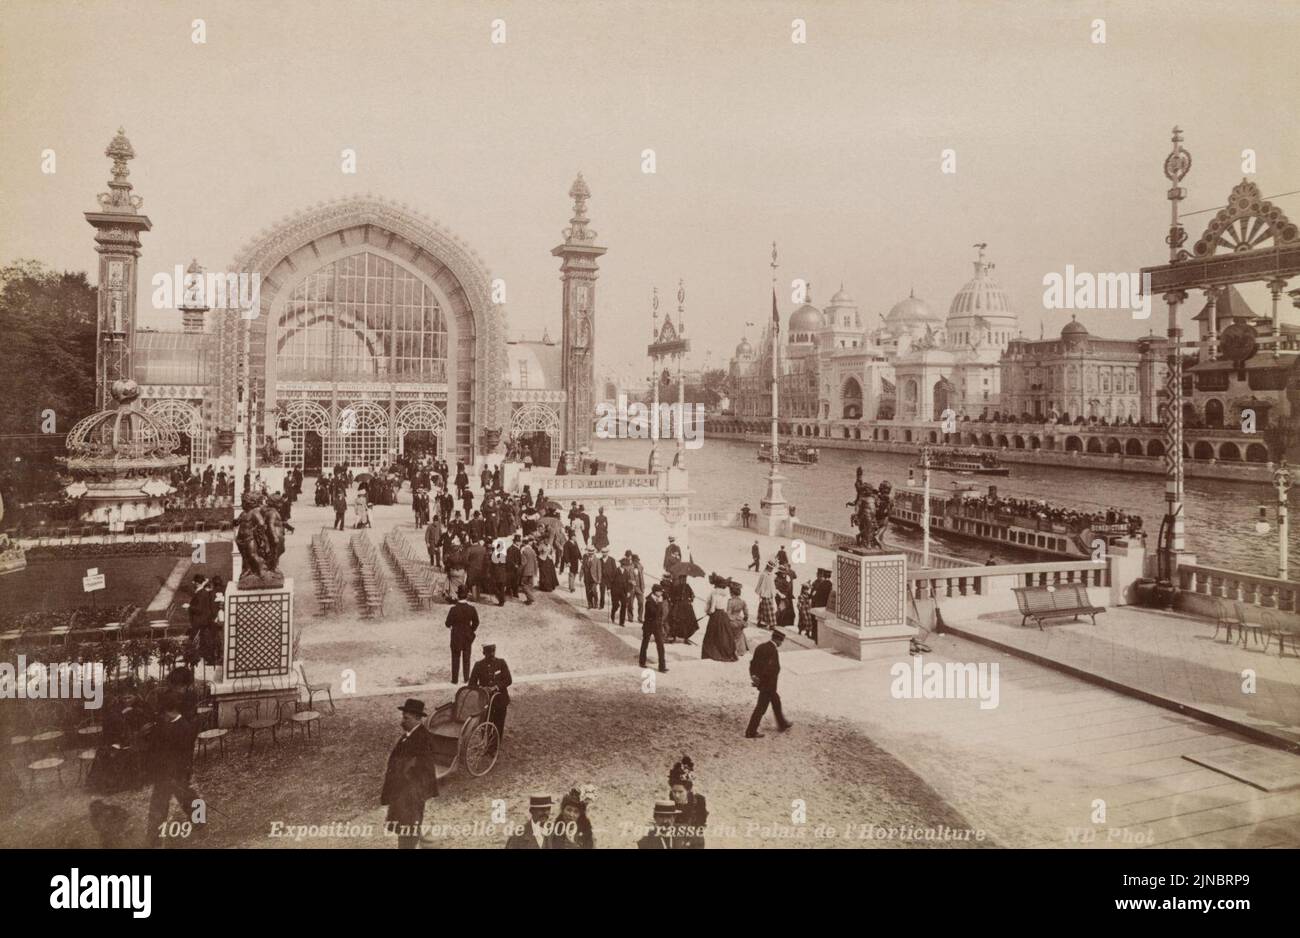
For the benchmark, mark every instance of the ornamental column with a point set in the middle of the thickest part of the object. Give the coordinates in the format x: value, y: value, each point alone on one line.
x: 117, y: 226
x: 578, y: 272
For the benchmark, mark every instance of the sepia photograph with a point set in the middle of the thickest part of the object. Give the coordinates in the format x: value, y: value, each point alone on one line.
x: 626, y: 425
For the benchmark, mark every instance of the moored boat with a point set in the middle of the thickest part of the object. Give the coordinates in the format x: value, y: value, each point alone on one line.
x: 791, y: 454
x: 1026, y: 524
x: 967, y: 463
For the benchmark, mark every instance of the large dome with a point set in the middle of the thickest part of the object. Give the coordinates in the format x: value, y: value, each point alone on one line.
x: 806, y: 318
x: 981, y: 296
x: 912, y: 310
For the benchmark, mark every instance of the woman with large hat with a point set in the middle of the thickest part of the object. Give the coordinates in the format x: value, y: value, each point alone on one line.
x: 682, y: 623
x: 572, y: 829
x: 692, y: 812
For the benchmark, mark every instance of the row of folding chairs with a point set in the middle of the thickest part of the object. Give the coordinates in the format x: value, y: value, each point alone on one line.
x: 418, y: 580
x: 327, y: 573
x: 371, y: 583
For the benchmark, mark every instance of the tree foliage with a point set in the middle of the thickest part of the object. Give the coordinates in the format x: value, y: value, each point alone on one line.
x: 47, y: 327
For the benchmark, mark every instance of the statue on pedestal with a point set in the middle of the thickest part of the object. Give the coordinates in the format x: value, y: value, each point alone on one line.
x: 870, y: 511
x: 260, y: 540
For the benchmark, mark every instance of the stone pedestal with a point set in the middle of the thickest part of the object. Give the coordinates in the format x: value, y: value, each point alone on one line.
x: 775, y: 511
x: 258, y: 652
x: 870, y: 618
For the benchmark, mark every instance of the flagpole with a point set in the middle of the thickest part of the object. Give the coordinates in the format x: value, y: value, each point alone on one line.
x: 773, y: 502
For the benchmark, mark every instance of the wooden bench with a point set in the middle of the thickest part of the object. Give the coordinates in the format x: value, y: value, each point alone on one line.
x: 1055, y: 601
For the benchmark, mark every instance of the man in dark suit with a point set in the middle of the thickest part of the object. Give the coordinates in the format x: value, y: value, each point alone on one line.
x: 591, y: 577
x: 653, y: 626
x: 171, y: 762
x: 608, y: 576
x: 462, y: 619
x: 411, y: 777
x: 475, y: 568
x: 764, y: 670
x: 493, y: 672
x: 754, y: 557
x: 571, y: 558
x: 534, y: 834
x: 514, y: 563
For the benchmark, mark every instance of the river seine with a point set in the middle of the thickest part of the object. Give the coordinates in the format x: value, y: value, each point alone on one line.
x: 1221, y: 515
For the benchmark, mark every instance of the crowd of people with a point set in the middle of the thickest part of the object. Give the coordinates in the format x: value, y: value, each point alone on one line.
x: 1040, y: 511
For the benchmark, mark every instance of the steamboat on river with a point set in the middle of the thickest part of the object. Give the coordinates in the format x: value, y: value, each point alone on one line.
x: 967, y: 463
x: 792, y: 454
x: 1030, y: 525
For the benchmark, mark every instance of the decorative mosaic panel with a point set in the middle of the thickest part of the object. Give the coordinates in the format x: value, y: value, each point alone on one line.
x: 259, y: 628
x: 885, y: 593
x: 848, y: 589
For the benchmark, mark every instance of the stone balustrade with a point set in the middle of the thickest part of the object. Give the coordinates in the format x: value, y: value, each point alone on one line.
x: 1265, y: 592
x: 988, y: 588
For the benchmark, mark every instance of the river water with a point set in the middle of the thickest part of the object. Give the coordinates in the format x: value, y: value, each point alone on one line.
x: 1220, y: 515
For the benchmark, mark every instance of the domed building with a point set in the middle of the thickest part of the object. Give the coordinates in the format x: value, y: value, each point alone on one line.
x: 913, y: 363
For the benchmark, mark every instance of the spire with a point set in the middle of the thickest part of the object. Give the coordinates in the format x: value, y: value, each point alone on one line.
x: 578, y: 233
x: 118, y: 198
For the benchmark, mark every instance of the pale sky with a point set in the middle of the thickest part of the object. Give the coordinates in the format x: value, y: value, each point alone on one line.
x: 832, y: 148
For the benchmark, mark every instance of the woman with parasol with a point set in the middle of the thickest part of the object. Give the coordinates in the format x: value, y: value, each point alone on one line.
x: 682, y: 623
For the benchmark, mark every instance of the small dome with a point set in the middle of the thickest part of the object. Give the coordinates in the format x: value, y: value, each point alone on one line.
x: 744, y: 349
x: 806, y: 318
x: 842, y: 298
x: 911, y: 310
x: 1073, y: 327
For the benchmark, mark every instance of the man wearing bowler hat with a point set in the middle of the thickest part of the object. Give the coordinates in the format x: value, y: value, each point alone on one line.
x: 652, y: 627
x: 411, y: 777
x: 534, y: 833
x: 764, y: 669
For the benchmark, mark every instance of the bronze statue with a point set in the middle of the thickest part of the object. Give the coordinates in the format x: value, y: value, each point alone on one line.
x: 870, y: 512
x: 261, y: 542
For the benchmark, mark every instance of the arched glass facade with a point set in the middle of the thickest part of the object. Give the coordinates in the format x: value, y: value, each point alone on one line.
x: 362, y: 318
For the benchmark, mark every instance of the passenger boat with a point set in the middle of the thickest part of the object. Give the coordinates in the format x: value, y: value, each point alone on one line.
x: 1029, y: 525
x: 792, y: 454
x: 984, y: 464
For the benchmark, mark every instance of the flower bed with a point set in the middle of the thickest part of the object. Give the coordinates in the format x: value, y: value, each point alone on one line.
x: 93, y: 550
x: 82, y: 617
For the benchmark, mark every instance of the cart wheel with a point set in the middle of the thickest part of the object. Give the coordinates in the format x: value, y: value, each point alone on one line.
x: 481, y: 749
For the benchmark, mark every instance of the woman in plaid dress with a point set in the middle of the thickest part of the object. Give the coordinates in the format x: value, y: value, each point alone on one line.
x: 766, y: 590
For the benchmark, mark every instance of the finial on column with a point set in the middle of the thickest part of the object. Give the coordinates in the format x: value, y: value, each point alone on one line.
x: 118, y: 198
x: 681, y: 307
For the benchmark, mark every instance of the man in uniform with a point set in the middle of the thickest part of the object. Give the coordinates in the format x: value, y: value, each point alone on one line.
x: 493, y: 672
x: 411, y: 777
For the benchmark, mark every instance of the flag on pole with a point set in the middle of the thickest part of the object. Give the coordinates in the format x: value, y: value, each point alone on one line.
x: 776, y: 317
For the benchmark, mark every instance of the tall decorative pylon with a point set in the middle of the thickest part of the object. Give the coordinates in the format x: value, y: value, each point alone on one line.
x: 578, y: 273
x: 117, y: 225
x: 1177, y: 164
x: 774, y: 506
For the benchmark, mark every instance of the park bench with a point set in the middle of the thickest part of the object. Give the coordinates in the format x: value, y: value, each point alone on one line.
x: 1055, y: 601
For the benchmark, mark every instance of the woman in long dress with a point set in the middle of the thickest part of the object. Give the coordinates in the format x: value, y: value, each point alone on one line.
x: 681, y: 617
x: 766, y: 590
x: 602, y: 530
x: 738, y: 612
x: 719, y: 643
x: 547, y: 579
x: 785, y: 598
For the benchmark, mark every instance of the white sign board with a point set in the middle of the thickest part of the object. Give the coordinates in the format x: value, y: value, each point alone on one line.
x: 90, y: 584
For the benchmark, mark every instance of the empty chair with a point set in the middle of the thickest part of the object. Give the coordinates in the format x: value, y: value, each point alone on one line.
x: 255, y: 724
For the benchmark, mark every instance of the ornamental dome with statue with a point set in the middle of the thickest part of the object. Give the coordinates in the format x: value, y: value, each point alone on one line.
x: 119, y: 460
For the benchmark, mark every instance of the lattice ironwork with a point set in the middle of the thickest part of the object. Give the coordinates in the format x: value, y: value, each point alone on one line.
x: 848, y: 590
x: 258, y: 635
x: 884, y: 592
